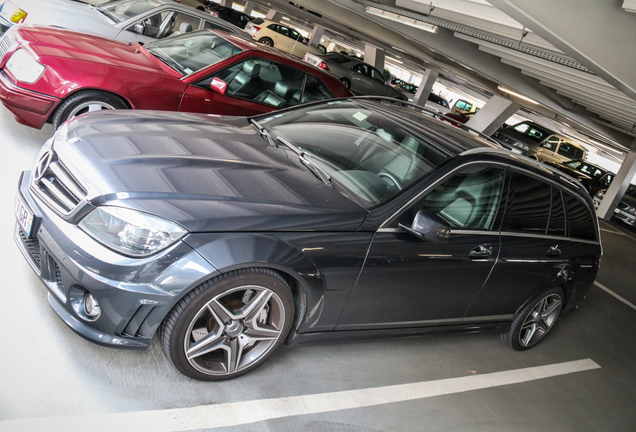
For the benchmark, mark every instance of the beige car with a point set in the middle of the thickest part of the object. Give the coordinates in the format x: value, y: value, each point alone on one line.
x: 279, y: 36
x: 557, y: 149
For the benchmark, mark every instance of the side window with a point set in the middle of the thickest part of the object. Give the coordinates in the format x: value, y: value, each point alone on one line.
x: 295, y: 35
x: 579, y: 219
x: 376, y: 75
x: 557, y: 215
x: 314, y: 90
x: 551, y: 143
x: 522, y: 128
x: 467, y: 200
x: 569, y: 150
x: 216, y: 26
x: 152, y: 26
x: 182, y: 23
x: 283, y: 30
x: 261, y: 81
x: 529, y: 210
x: 606, y: 179
x: 360, y: 68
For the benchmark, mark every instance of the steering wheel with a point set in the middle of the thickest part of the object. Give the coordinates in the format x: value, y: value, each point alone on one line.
x: 392, y: 178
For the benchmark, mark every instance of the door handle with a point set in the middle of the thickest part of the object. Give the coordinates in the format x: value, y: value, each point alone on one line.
x: 553, y: 251
x: 481, y: 251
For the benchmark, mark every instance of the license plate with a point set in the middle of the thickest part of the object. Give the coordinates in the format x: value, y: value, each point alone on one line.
x: 24, y: 215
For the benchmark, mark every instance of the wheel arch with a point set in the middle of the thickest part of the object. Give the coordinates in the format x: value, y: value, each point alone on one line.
x: 84, y: 89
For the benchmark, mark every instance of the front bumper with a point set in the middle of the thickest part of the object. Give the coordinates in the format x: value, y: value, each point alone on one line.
x: 28, y: 108
x: 134, y: 294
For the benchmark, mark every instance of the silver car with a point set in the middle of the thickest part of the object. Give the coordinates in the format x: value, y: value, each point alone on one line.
x: 127, y: 20
x: 359, y: 77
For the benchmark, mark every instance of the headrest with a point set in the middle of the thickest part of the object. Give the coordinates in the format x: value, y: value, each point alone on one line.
x: 251, y: 68
x: 185, y: 27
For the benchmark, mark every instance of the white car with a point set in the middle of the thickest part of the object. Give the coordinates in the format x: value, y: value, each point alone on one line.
x: 279, y: 36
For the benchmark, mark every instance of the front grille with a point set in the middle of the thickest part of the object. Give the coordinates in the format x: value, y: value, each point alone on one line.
x: 58, y: 186
x: 33, y: 246
x: 58, y: 277
x: 6, y: 42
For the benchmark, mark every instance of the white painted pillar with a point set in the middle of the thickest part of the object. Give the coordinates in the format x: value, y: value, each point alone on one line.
x: 274, y: 15
x: 496, y: 111
x: 618, y: 187
x: 374, y: 56
x: 314, y: 40
x: 428, y: 79
x: 249, y: 6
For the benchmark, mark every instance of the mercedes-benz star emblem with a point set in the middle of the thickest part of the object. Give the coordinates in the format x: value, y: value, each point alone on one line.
x: 43, y: 164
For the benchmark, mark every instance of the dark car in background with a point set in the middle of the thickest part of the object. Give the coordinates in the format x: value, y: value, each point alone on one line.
x: 626, y: 209
x: 51, y: 75
x: 360, y: 77
x: 344, y: 218
x: 593, y: 177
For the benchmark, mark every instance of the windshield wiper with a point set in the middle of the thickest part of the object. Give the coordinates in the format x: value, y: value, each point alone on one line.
x: 303, y: 156
x: 264, y: 133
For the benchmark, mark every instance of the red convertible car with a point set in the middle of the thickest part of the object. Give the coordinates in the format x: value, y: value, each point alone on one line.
x: 51, y: 75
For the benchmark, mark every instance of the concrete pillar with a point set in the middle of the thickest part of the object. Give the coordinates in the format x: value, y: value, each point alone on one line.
x: 496, y: 111
x: 374, y: 56
x: 618, y: 187
x: 274, y: 15
x: 227, y: 3
x: 314, y: 40
x: 428, y: 79
x: 249, y: 6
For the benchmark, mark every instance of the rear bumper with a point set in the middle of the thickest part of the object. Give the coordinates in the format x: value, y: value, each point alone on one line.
x: 29, y: 108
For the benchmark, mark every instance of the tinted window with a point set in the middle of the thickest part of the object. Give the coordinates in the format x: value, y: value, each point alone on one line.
x: 557, y: 215
x: 124, y: 9
x: 469, y: 199
x: 376, y: 75
x: 438, y: 100
x: 570, y: 151
x: 579, y: 219
x: 530, y: 205
x: 361, y: 69
x: 153, y: 26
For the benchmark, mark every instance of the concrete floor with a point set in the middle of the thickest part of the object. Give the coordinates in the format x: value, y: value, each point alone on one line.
x: 51, y: 379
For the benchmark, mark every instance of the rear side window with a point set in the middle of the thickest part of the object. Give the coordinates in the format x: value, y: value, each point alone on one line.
x: 579, y: 219
x: 570, y: 151
x: 531, y: 201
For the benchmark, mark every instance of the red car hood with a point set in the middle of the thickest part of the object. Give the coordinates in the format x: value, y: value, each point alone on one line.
x: 47, y: 42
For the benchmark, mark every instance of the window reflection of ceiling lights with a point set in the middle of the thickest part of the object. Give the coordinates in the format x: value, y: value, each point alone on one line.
x: 505, y: 90
x: 402, y: 19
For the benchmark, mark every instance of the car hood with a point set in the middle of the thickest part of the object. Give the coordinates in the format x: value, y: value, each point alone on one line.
x: 67, y: 14
x: 50, y: 44
x: 204, y: 172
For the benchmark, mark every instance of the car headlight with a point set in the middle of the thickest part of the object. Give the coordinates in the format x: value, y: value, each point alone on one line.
x: 24, y: 68
x: 131, y: 232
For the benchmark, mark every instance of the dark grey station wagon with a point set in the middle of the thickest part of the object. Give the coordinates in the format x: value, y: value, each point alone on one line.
x: 228, y: 236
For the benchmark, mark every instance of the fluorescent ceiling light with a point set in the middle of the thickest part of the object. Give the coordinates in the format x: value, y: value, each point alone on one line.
x: 598, y: 144
x: 505, y: 90
x: 286, y: 19
x: 402, y: 19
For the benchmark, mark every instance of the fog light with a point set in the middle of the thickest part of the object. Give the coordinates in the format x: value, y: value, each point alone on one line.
x: 91, y: 306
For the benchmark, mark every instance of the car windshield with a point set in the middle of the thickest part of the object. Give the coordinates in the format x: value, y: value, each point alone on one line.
x: 191, y: 52
x: 121, y: 10
x: 368, y: 156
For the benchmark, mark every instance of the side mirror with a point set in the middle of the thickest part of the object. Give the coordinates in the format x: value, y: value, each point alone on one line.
x: 138, y: 28
x: 427, y: 226
x: 218, y: 85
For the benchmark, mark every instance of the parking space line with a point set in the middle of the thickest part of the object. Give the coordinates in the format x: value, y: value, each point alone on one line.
x: 241, y: 413
x: 613, y: 294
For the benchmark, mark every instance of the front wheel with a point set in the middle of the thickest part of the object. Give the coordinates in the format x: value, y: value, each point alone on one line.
x: 83, y: 102
x: 535, y: 320
x: 230, y: 325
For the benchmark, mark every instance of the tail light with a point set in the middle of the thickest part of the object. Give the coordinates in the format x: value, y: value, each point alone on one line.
x: 323, y: 65
x: 255, y: 28
x: 215, y: 13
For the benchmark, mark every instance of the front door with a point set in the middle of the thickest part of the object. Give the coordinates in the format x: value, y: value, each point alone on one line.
x: 408, y: 282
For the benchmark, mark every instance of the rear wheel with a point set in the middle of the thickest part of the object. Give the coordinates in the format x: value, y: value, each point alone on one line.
x: 266, y: 41
x: 230, y: 325
x: 83, y: 102
x: 535, y: 320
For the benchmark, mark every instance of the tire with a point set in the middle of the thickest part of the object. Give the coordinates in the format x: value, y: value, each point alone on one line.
x: 228, y: 326
x: 83, y: 102
x: 266, y: 41
x: 346, y: 83
x: 535, y: 320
